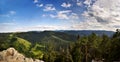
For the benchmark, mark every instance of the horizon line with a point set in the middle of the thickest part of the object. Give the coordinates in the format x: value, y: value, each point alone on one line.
x: 51, y: 30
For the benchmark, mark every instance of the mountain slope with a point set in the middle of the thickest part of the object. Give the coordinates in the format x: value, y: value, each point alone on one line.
x: 62, y: 35
x: 88, y: 32
x: 21, y: 44
x: 46, y: 35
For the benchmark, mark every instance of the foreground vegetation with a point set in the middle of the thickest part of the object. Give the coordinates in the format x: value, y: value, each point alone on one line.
x: 55, y: 49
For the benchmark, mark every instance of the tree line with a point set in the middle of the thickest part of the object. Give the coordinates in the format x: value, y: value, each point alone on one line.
x: 86, y: 49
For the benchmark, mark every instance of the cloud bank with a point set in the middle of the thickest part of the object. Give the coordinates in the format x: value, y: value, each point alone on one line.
x: 101, y: 15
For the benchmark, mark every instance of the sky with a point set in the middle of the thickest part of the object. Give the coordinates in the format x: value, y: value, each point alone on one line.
x: 39, y: 15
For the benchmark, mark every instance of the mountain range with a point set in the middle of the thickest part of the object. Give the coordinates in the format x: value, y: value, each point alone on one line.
x: 56, y: 36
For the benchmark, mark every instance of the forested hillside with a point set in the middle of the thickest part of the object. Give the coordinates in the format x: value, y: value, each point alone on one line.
x: 88, y: 32
x: 46, y: 36
x: 57, y: 46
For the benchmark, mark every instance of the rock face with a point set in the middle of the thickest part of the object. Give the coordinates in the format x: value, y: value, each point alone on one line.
x: 11, y: 55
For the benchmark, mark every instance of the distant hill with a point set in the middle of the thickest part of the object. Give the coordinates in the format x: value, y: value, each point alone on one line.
x: 47, y: 36
x: 56, y: 36
x: 88, y: 32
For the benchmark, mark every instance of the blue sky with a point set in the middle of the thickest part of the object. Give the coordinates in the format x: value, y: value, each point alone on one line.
x: 28, y: 15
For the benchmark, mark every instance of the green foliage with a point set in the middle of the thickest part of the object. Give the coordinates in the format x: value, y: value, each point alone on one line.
x: 45, y: 36
x: 4, y: 41
x: 64, y: 56
x: 50, y: 54
x: 21, y: 44
x: 114, y: 48
x: 61, y: 47
x: 36, y: 51
x: 26, y: 48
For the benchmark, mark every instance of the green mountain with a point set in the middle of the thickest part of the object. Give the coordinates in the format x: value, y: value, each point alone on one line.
x: 21, y: 44
x: 46, y: 36
x: 88, y: 32
x: 57, y: 36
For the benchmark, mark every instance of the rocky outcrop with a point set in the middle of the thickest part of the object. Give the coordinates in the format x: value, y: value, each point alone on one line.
x: 11, y: 55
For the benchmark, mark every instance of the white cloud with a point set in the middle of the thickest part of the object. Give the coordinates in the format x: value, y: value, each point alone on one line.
x: 44, y: 15
x: 106, y: 15
x: 90, y: 24
x: 7, y: 23
x: 66, y: 15
x: 40, y: 28
x: 65, y: 11
x: 53, y: 16
x: 79, y: 3
x: 61, y: 15
x: 35, y: 1
x: 4, y: 15
x: 7, y: 26
x: 74, y: 16
x: 12, y: 12
x: 13, y: 27
x: 49, y: 7
x: 88, y: 2
x: 39, y: 5
x: 66, y: 5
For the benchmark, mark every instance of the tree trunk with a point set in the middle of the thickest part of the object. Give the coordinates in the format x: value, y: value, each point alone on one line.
x: 86, y: 55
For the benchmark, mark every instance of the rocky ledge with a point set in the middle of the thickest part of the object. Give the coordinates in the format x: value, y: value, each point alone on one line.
x: 11, y: 55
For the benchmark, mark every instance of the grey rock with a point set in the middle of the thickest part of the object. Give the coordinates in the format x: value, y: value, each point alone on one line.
x: 12, y: 55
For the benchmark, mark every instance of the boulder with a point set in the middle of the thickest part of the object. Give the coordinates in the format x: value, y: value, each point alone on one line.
x: 12, y: 55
